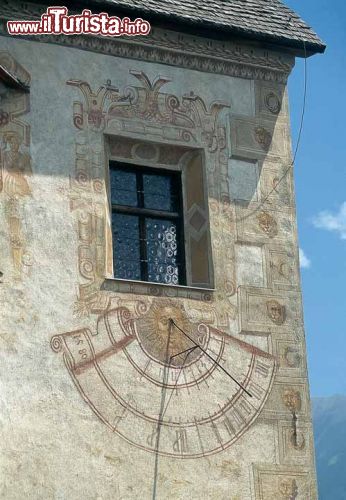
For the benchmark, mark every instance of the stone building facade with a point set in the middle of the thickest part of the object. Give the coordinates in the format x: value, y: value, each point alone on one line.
x: 121, y: 388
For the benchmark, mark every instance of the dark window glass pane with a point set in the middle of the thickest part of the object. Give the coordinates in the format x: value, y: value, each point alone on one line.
x: 123, y: 187
x: 126, y: 246
x: 161, y: 236
x: 159, y: 192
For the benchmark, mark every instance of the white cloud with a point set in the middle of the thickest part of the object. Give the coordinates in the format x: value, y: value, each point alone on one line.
x: 305, y: 262
x: 333, y: 222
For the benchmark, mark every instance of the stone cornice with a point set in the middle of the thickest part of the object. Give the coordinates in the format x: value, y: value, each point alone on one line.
x: 167, y: 47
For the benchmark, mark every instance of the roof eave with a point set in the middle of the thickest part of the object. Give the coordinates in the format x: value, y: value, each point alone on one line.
x: 299, y: 48
x: 11, y: 80
x: 203, y: 28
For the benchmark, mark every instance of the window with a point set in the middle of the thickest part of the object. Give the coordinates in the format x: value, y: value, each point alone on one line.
x: 147, y: 224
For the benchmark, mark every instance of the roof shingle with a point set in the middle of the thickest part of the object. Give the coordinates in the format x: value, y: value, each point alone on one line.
x: 266, y: 20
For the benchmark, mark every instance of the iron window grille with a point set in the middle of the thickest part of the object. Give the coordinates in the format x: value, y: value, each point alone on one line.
x: 147, y: 224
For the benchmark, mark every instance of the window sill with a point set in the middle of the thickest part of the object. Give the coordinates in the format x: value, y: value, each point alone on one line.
x: 157, y: 289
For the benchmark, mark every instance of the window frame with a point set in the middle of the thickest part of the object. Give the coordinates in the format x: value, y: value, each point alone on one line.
x: 144, y: 213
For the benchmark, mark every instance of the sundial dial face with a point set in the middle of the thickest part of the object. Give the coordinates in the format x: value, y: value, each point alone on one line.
x: 131, y: 366
x: 161, y: 340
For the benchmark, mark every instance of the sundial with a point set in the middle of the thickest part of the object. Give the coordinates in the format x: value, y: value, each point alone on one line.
x: 213, y: 385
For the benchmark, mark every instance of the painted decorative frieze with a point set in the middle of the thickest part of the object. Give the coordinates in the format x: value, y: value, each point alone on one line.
x: 15, y: 163
x: 264, y: 311
x: 256, y: 139
x: 147, y: 112
x: 283, y: 483
x: 168, y: 47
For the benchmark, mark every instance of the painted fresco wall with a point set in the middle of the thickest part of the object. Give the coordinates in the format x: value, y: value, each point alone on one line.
x: 83, y: 377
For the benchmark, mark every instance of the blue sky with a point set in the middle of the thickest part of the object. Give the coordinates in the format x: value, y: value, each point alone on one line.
x: 320, y: 176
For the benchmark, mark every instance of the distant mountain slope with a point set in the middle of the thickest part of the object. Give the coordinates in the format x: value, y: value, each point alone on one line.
x: 330, y: 445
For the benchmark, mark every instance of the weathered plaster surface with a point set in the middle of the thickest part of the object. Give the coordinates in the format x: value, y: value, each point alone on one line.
x: 53, y: 445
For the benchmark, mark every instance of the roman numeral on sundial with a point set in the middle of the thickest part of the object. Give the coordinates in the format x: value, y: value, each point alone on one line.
x: 180, y: 444
x: 262, y: 368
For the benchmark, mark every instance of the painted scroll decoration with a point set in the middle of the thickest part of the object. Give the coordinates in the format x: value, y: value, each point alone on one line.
x: 15, y: 162
x: 142, y: 110
x: 117, y: 366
